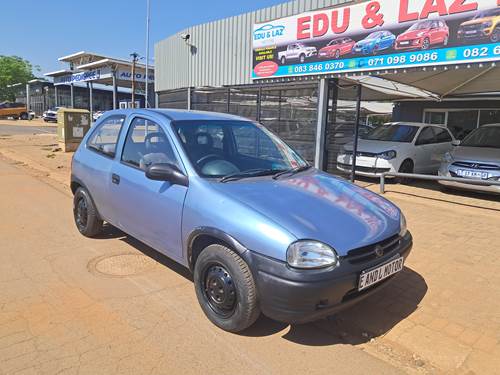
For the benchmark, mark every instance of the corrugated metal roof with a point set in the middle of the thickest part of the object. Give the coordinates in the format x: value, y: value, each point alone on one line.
x: 219, y: 53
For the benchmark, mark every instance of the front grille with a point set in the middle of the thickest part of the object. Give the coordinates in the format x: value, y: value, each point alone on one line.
x: 362, y: 153
x: 365, y: 169
x: 367, y: 253
x: 472, y: 165
x: 474, y: 27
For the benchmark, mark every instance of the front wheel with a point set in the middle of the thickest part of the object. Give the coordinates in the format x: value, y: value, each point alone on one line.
x: 283, y: 60
x: 302, y: 58
x: 426, y: 44
x: 406, y: 167
x: 495, y: 36
x: 225, y: 288
x: 87, y: 219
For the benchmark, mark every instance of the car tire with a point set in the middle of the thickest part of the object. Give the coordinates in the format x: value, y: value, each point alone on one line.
x: 86, y: 217
x: 283, y: 60
x: 302, y: 58
x: 495, y: 36
x: 445, y: 42
x: 406, y: 167
x: 426, y: 44
x: 337, y: 54
x: 24, y: 116
x: 232, y: 302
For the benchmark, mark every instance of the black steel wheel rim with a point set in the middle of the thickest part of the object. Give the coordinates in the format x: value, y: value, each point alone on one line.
x: 81, y: 213
x: 219, y: 290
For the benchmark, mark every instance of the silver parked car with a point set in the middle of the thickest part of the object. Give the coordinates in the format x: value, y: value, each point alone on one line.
x: 476, y: 157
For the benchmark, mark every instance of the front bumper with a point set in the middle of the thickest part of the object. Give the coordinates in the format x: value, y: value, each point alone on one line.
x: 365, y: 165
x: 300, y: 296
x: 445, y: 172
x: 411, y: 44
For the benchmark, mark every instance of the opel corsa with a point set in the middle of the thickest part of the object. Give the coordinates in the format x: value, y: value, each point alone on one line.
x: 261, y: 230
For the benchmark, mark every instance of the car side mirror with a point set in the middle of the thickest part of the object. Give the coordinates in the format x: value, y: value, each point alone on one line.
x: 166, y: 172
x: 455, y: 143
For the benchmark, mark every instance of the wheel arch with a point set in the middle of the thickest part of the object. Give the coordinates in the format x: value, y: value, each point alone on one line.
x: 202, y: 237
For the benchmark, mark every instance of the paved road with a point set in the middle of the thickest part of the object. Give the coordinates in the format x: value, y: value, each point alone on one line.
x: 71, y: 305
x: 8, y: 129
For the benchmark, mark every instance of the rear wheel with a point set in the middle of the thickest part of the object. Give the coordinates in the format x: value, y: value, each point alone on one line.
x: 406, y: 167
x: 225, y: 288
x: 426, y: 43
x: 283, y: 60
x: 24, y: 116
x: 495, y: 36
x: 302, y: 58
x: 87, y: 219
x: 337, y: 54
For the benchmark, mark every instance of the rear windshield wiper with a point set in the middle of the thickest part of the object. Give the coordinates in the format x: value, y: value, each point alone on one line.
x: 292, y: 171
x: 249, y: 173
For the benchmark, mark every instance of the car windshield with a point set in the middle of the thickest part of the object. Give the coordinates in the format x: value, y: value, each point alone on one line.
x: 222, y: 148
x: 392, y: 133
x: 488, y: 137
x: 334, y: 41
x: 421, y: 26
x: 374, y: 35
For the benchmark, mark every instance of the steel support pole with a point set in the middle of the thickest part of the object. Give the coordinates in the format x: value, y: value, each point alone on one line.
x: 56, y: 96
x: 189, y: 104
x: 115, y: 91
x: 72, y: 94
x: 28, y: 97
x: 259, y: 104
x: 356, y: 132
x: 319, y: 156
x: 91, y: 100
x: 146, y: 96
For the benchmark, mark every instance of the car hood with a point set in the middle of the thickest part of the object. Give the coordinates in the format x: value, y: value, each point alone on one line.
x: 327, y: 49
x: 481, y: 154
x: 318, y: 206
x: 366, y: 42
x: 477, y: 21
x: 376, y: 147
x: 413, y: 34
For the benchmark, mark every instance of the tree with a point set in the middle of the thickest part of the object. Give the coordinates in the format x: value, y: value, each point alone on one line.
x: 13, y: 69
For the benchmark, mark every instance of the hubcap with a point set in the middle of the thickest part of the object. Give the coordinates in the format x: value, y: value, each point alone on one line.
x: 81, y: 213
x: 220, y: 291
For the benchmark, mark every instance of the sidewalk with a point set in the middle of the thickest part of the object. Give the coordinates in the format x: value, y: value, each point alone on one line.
x: 441, y: 315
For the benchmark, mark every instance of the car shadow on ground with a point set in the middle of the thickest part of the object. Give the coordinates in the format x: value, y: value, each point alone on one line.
x: 370, y: 318
x: 111, y: 232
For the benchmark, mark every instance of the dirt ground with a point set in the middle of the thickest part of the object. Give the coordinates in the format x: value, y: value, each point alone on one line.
x: 71, y: 305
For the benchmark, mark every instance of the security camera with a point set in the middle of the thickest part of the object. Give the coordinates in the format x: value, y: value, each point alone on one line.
x: 185, y: 37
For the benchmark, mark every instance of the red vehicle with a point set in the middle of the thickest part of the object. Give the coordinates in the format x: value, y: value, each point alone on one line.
x: 337, y: 47
x: 423, y: 35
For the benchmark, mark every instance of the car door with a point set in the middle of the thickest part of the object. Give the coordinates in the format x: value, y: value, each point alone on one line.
x: 148, y: 210
x: 443, y: 144
x: 96, y: 164
x: 424, y: 146
x: 291, y: 52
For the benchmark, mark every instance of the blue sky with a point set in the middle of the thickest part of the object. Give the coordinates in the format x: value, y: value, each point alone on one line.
x: 43, y: 30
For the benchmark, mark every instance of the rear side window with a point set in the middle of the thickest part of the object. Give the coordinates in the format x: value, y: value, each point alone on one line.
x: 105, y: 137
x: 442, y: 135
x: 426, y: 136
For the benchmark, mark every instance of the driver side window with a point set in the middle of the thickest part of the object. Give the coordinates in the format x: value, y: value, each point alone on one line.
x: 147, y: 144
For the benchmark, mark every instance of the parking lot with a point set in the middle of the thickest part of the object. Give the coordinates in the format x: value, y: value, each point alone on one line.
x: 74, y: 305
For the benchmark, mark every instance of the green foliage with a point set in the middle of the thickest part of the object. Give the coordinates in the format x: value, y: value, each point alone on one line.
x: 13, y: 69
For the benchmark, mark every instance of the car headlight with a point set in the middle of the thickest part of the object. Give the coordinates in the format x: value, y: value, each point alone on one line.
x: 308, y: 254
x: 487, y: 24
x: 402, y: 225
x: 388, y: 155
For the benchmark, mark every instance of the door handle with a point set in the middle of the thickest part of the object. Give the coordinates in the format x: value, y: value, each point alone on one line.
x: 115, y: 179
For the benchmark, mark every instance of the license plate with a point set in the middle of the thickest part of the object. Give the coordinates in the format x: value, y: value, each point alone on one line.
x: 376, y: 275
x: 404, y: 43
x: 473, y: 174
x: 470, y: 32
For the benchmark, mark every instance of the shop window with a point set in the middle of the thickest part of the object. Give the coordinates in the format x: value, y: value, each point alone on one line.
x: 462, y: 123
x: 436, y: 118
x: 489, y: 116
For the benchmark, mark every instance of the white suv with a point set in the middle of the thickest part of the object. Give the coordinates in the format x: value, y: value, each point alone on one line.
x: 297, y: 51
x: 398, y: 147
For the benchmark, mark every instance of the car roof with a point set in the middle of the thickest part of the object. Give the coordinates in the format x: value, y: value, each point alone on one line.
x: 178, y: 114
x: 490, y: 126
x: 418, y: 124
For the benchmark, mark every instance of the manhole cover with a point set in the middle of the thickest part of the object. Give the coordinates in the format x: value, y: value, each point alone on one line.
x: 121, y: 264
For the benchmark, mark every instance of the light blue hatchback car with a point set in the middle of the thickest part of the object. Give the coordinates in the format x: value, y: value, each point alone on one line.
x: 261, y: 229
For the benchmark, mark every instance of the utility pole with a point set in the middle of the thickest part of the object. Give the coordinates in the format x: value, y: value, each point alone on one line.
x: 135, y: 57
x: 146, y: 104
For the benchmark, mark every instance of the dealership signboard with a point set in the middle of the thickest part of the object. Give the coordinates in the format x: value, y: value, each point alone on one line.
x: 378, y: 35
x: 99, y: 74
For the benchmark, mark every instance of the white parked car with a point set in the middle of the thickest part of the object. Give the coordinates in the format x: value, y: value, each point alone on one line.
x: 398, y: 147
x: 297, y: 51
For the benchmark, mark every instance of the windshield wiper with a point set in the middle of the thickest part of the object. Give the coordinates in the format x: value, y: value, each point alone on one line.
x: 292, y: 171
x: 249, y: 173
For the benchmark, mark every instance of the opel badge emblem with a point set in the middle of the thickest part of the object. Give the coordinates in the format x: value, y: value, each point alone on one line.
x: 379, y: 251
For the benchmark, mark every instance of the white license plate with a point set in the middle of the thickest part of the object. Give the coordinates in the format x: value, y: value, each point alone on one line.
x: 473, y: 174
x: 404, y: 43
x: 371, y: 277
x: 470, y: 32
